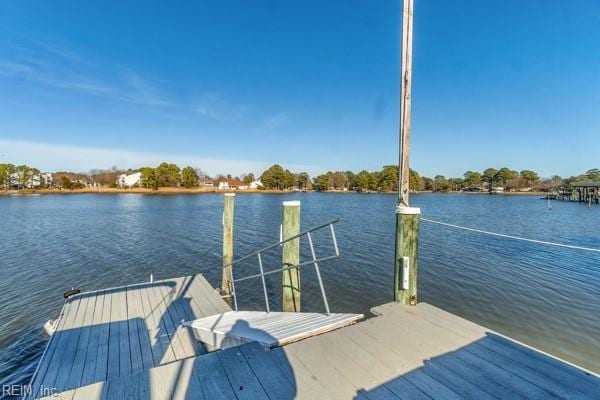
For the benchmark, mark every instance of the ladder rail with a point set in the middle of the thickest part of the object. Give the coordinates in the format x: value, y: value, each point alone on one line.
x: 285, y: 267
x: 330, y: 223
x: 314, y: 258
x: 264, y: 285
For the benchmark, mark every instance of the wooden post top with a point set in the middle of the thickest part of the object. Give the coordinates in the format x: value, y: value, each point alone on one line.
x: 408, y: 210
x: 291, y: 203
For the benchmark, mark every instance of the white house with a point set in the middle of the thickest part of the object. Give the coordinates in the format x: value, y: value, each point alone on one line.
x: 31, y: 183
x: 125, y: 180
x: 223, y: 185
x: 255, y: 185
x: 47, y: 178
x: 231, y: 184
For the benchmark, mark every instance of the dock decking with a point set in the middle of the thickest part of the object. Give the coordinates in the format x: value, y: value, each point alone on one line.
x: 418, y: 352
x: 119, y: 332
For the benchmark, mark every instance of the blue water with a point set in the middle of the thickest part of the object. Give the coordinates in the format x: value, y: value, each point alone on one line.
x: 544, y: 296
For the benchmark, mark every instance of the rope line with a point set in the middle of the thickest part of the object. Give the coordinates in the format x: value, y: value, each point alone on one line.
x: 567, y: 246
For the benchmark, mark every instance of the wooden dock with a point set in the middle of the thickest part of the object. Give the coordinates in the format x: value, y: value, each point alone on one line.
x: 128, y: 343
x: 582, y: 192
x: 119, y: 332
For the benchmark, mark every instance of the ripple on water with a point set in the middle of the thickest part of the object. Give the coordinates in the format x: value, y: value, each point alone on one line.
x: 546, y: 297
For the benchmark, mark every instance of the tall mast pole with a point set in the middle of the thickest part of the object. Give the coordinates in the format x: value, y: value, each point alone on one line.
x: 407, y: 218
x: 405, y: 91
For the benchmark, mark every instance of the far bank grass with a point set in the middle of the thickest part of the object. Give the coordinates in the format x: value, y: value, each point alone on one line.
x: 180, y: 190
x: 160, y: 191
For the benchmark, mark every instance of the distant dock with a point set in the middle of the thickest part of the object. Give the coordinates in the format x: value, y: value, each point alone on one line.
x: 588, y: 192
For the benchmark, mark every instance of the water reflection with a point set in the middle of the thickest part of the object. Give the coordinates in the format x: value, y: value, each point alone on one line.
x: 545, y: 297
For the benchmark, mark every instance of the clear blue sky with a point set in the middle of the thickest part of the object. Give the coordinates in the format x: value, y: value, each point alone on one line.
x: 232, y: 86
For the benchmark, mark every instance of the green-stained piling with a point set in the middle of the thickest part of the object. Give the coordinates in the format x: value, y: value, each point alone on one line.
x: 226, y: 284
x: 291, y: 256
x: 407, y: 249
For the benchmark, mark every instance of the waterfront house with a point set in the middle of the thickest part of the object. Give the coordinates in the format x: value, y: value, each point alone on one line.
x: 129, y: 181
x: 15, y: 182
x: 231, y: 184
x: 46, y: 178
x: 255, y: 185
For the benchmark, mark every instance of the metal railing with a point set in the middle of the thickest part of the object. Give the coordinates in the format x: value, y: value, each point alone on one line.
x: 285, y: 267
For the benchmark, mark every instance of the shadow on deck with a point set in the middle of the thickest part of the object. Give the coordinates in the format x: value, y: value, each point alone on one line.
x: 405, y: 353
x: 120, y: 332
x: 489, y: 368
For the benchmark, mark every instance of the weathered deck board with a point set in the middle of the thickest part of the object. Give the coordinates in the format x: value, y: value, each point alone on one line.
x: 182, y: 312
x: 572, y: 379
x: 176, y: 331
x: 547, y: 373
x: 61, y: 343
x: 416, y: 352
x: 141, y: 351
x: 161, y: 346
x: 164, y: 327
x: 119, y: 361
x: 240, y: 376
x: 102, y: 358
x: 204, y: 297
x: 120, y: 332
x: 76, y: 372
x: 48, y: 354
x: 433, y: 341
x: 272, y: 378
x: 94, y: 341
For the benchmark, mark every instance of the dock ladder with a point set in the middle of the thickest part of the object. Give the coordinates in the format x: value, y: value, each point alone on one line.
x: 272, y: 329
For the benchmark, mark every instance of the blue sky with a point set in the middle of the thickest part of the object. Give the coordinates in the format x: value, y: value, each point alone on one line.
x: 233, y: 86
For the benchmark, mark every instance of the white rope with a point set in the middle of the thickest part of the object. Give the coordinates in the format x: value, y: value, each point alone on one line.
x: 567, y: 246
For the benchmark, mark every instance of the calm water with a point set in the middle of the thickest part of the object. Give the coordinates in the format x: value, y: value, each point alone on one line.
x: 543, y: 296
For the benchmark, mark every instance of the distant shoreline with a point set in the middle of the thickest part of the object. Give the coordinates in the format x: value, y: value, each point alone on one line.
x: 196, y: 191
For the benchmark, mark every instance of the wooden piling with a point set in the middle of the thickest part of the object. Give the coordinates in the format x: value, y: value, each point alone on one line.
x: 227, y: 276
x: 405, y: 106
x: 407, y: 246
x: 407, y: 218
x: 291, y: 256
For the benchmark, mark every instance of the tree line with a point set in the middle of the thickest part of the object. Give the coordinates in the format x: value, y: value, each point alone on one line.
x: 163, y: 175
x: 386, y: 180
x: 277, y: 177
x: 170, y: 175
x: 510, y: 180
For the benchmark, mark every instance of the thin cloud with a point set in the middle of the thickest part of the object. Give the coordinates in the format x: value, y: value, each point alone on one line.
x: 276, y: 120
x: 62, y: 52
x: 59, y: 157
x: 142, y: 91
x: 82, y: 84
x: 33, y: 73
x: 215, y: 107
x: 59, y: 67
x: 211, y: 107
x: 8, y: 68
